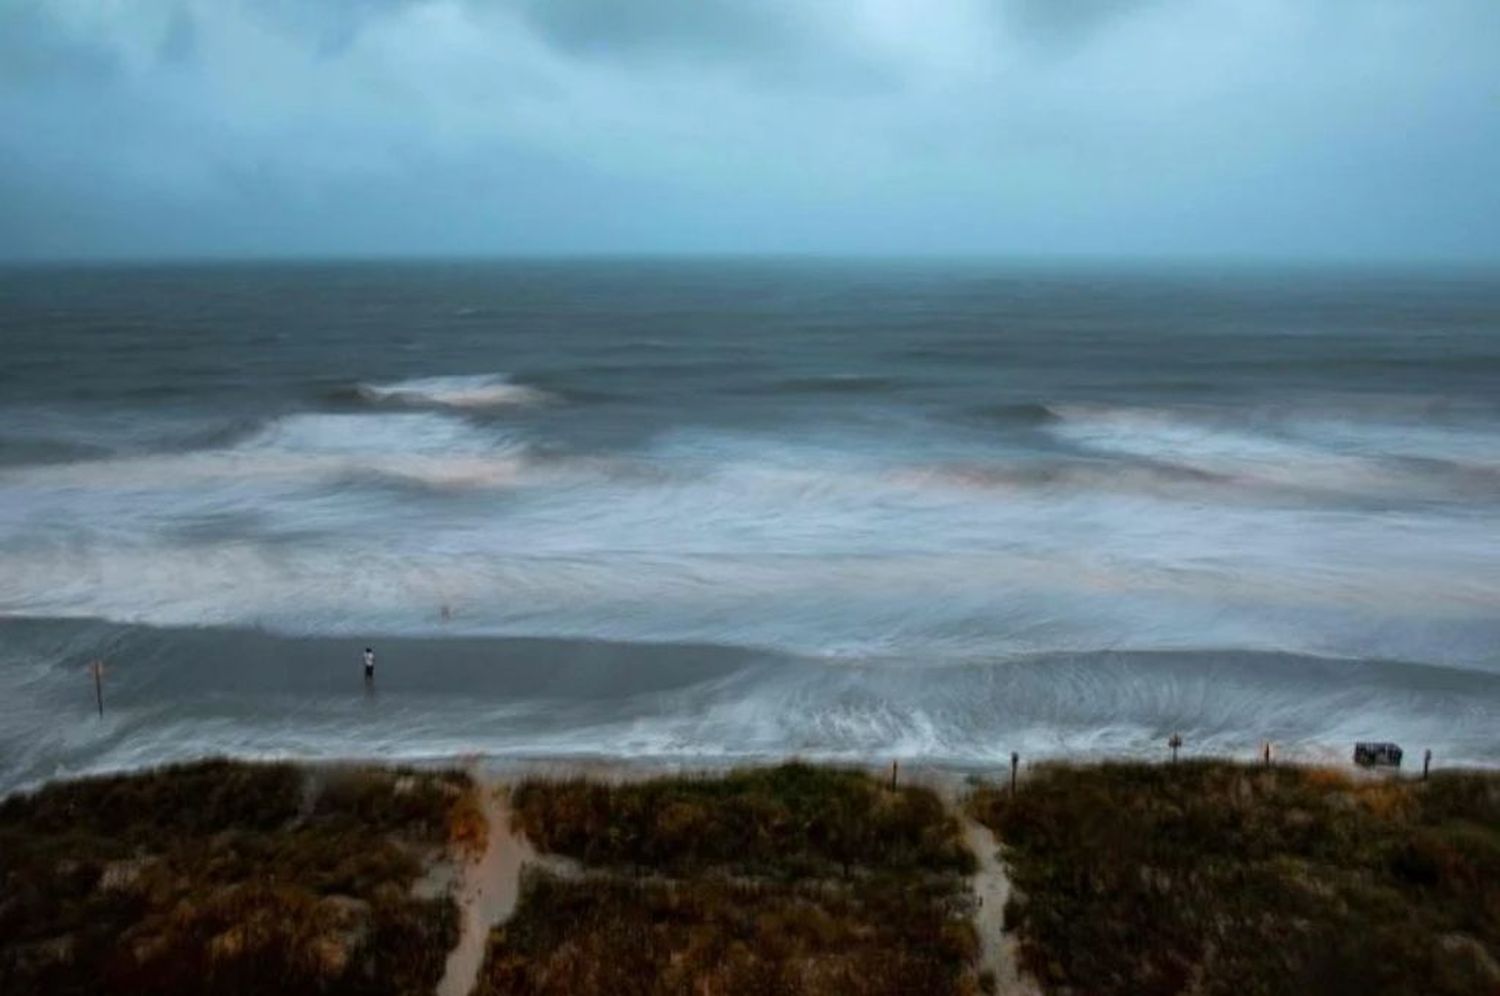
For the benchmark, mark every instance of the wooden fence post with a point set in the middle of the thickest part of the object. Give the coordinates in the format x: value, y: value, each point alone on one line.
x: 98, y: 668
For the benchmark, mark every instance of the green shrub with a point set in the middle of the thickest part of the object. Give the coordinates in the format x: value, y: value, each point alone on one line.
x: 226, y: 878
x: 786, y: 880
x: 1220, y: 878
x: 613, y: 936
x: 789, y: 820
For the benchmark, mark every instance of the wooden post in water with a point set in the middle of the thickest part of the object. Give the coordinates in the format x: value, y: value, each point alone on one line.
x: 98, y: 668
x: 1175, y: 743
x: 1015, y: 762
x: 1426, y: 763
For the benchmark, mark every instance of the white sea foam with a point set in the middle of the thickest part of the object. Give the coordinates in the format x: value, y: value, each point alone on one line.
x: 1290, y: 450
x: 170, y: 705
x: 1179, y: 437
x: 414, y: 432
x: 1220, y: 493
x: 822, y: 546
x: 460, y: 391
x: 297, y: 450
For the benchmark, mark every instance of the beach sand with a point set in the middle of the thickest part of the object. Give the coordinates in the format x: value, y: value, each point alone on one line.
x: 489, y: 887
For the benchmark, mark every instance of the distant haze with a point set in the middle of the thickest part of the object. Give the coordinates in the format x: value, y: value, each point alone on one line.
x: 1342, y: 129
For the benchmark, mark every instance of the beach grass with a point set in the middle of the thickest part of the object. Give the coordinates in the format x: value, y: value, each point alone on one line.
x: 224, y: 877
x: 1202, y: 877
x: 786, y: 821
x: 787, y: 880
x: 619, y: 934
x: 1218, y: 878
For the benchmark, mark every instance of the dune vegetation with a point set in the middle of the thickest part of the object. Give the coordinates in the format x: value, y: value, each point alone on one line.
x: 790, y: 820
x: 787, y: 880
x: 1201, y: 877
x: 231, y: 878
x: 1218, y: 878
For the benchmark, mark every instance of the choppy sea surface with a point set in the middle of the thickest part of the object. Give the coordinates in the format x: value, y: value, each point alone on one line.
x: 709, y: 510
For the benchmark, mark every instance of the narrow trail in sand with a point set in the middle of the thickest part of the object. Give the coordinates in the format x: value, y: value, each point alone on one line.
x: 487, y: 893
x: 992, y: 886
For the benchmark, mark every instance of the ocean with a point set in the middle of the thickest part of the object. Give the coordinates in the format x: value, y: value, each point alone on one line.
x: 704, y: 511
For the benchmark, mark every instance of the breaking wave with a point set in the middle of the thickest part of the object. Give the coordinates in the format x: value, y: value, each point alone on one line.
x: 300, y: 449
x: 949, y: 554
x: 462, y: 391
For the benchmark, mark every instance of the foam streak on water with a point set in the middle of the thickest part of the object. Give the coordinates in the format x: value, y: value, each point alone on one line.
x: 831, y: 509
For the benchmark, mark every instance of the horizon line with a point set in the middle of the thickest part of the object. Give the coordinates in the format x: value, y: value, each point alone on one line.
x: 963, y: 257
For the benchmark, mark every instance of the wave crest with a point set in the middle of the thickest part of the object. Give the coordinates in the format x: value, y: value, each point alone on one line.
x: 461, y: 391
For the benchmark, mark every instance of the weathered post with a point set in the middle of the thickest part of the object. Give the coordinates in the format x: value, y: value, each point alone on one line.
x: 1015, y: 762
x: 1175, y: 743
x: 1266, y: 753
x: 98, y: 668
x: 894, y: 767
x: 1426, y: 763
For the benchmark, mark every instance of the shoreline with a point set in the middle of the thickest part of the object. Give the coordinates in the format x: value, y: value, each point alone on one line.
x: 948, y: 778
x: 176, y: 693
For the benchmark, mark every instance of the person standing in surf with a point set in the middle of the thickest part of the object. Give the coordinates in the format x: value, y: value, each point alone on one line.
x: 369, y: 664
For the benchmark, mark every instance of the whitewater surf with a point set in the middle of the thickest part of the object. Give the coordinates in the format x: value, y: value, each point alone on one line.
x: 847, y: 510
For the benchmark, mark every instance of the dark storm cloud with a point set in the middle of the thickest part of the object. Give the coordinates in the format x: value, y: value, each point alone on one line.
x: 705, y: 29
x: 1065, y: 21
x: 35, y: 49
x: 1269, y: 127
x: 180, y: 41
x: 329, y: 26
x: 778, y: 45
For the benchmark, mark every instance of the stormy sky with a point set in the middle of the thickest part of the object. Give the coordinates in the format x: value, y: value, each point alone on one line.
x: 1341, y: 129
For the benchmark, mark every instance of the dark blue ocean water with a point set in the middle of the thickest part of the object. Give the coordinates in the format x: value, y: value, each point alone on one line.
x: 721, y: 509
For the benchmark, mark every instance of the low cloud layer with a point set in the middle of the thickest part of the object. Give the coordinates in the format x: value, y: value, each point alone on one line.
x: 1282, y: 128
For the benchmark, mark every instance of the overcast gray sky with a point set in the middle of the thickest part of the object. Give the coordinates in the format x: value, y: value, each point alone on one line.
x: 1283, y: 128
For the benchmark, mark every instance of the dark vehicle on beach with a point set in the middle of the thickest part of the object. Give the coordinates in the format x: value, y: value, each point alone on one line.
x: 1377, y: 755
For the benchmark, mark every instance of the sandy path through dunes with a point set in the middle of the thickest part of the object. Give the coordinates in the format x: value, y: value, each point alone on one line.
x: 992, y: 886
x: 487, y: 894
